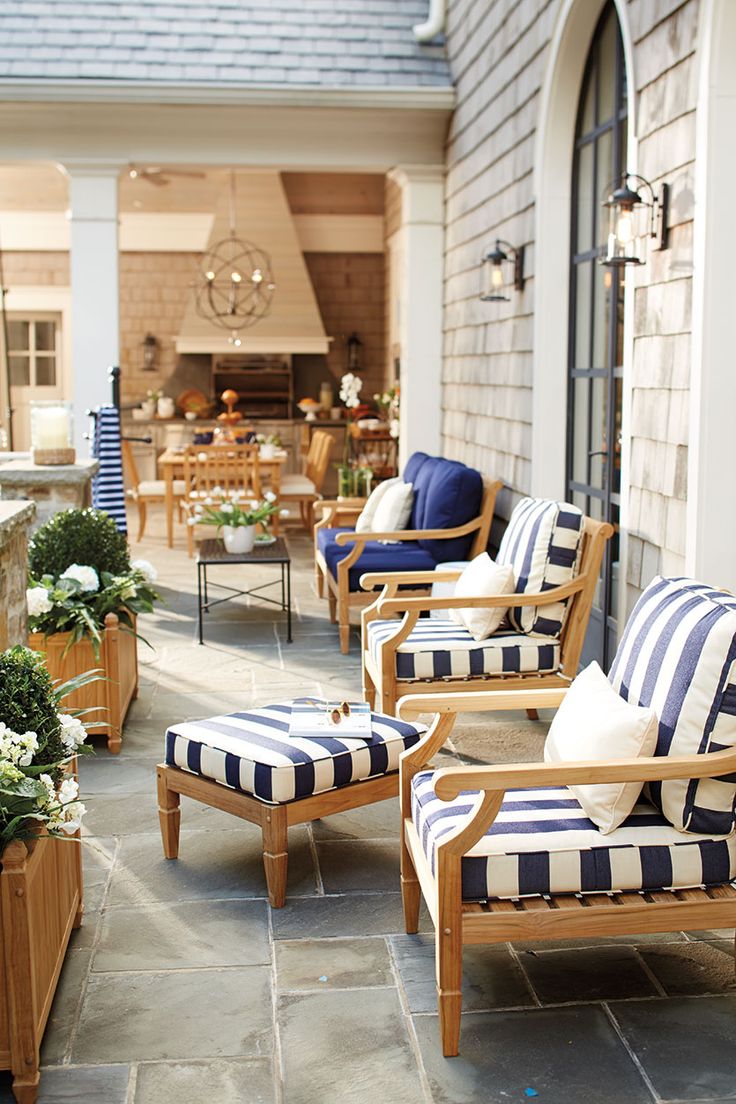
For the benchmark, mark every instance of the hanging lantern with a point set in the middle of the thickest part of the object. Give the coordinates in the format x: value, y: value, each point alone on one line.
x: 149, y: 345
x: 636, y: 217
x: 502, y: 269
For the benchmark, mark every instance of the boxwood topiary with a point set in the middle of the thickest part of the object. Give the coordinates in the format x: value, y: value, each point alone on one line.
x: 28, y: 702
x: 88, y: 537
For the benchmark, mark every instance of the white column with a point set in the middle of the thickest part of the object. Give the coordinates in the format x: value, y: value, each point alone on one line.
x: 420, y: 305
x: 93, y: 202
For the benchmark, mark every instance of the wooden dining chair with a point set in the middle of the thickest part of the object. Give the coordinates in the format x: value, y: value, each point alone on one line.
x: 305, y: 489
x: 217, y: 472
x: 143, y: 492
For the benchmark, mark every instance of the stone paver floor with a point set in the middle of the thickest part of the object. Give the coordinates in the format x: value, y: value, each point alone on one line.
x: 184, y: 986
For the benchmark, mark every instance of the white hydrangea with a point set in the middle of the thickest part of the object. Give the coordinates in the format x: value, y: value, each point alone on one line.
x: 86, y: 577
x: 17, y: 747
x: 394, y: 427
x: 147, y: 570
x: 350, y: 387
x: 73, y: 732
x: 50, y: 788
x: 38, y: 601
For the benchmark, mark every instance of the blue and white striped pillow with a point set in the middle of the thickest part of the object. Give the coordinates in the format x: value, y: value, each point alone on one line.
x: 678, y: 655
x: 541, y: 544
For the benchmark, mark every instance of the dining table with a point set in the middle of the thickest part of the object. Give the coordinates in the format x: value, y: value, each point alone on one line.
x: 171, y: 466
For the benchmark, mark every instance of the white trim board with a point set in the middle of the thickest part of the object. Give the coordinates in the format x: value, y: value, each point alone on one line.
x: 140, y: 231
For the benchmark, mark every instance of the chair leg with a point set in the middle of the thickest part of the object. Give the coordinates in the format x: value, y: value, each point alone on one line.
x: 411, y: 892
x: 190, y: 539
x: 369, y: 690
x: 331, y: 598
x: 344, y: 635
x: 319, y: 581
x: 449, y: 963
x: 169, y: 815
x: 275, y: 853
x: 532, y: 714
x: 141, y: 519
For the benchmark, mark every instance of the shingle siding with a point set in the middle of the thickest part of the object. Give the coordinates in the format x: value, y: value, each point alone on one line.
x: 498, y: 53
x: 324, y: 43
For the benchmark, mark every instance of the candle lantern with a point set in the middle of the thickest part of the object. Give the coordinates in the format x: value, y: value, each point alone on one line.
x: 150, y: 352
x: 51, y: 432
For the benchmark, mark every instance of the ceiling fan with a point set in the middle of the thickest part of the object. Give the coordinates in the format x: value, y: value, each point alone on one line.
x: 160, y: 177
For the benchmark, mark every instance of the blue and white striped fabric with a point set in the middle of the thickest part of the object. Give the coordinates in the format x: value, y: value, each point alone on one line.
x: 443, y: 649
x: 253, y: 752
x: 541, y: 544
x: 108, y: 492
x: 543, y: 843
x: 678, y: 655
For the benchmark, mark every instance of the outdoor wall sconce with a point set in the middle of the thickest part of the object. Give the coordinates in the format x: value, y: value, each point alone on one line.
x: 501, y: 259
x: 354, y: 345
x: 149, y: 344
x: 636, y: 215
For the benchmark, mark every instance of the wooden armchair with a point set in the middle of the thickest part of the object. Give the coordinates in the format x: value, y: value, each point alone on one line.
x: 423, y: 656
x: 305, y: 489
x: 144, y: 492
x: 462, y: 917
x: 217, y: 472
x: 343, y: 596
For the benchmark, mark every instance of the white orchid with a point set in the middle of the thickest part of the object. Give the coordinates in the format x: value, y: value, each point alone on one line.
x: 87, y: 577
x: 73, y: 732
x: 38, y: 601
x: 147, y: 570
x: 350, y: 388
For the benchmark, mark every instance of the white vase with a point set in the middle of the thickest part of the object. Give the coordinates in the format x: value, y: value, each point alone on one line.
x: 165, y: 407
x: 267, y: 451
x: 239, y: 538
x: 148, y: 407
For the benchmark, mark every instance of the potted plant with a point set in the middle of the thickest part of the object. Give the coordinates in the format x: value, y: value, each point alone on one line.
x: 149, y: 404
x: 237, y: 521
x: 84, y: 596
x: 40, y: 859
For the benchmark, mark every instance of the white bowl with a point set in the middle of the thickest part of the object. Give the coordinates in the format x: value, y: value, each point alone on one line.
x: 190, y: 415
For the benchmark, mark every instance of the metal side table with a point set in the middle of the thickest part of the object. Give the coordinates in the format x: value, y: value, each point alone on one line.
x: 212, y: 553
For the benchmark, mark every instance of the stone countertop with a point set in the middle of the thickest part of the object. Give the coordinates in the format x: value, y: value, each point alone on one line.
x: 22, y: 472
x: 12, y: 515
x: 210, y: 423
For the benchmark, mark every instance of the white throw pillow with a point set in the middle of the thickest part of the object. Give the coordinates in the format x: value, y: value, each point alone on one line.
x: 594, y: 722
x: 394, y: 509
x: 480, y: 579
x: 364, y: 524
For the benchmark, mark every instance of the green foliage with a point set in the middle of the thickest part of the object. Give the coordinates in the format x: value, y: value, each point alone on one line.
x: 87, y: 537
x: 28, y: 701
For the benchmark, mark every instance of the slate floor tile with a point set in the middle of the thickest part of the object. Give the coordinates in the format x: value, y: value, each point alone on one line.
x: 691, y: 968
x: 187, y: 935
x: 84, y: 1085
x: 686, y: 1045
x: 126, y: 1017
x: 565, y: 1055
x: 597, y: 973
x: 115, y: 774
x: 376, y: 1060
x: 210, y: 864
x: 62, y: 1018
x: 378, y: 821
x: 322, y: 917
x: 491, y: 976
x: 332, y: 964
x: 223, y: 1081
x: 348, y: 866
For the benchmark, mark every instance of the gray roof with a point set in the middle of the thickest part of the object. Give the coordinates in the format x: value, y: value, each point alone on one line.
x: 318, y: 43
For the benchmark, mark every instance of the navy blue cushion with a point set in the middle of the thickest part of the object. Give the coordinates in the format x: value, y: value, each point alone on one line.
x: 446, y: 494
x: 413, y: 464
x: 406, y: 556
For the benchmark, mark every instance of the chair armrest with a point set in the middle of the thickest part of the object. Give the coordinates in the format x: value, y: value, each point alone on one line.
x: 332, y: 509
x: 373, y: 579
x: 411, y: 705
x: 412, y: 534
x: 451, y: 781
x: 544, y: 598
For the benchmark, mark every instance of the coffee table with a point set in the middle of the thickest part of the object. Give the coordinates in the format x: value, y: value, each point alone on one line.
x: 212, y: 553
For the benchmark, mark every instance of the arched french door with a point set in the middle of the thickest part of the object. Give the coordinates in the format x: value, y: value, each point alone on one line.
x: 595, y: 352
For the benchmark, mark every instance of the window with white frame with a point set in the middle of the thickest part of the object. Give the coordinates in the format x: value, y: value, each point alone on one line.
x: 33, y: 349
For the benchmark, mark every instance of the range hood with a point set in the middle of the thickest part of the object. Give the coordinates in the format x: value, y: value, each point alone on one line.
x: 294, y: 324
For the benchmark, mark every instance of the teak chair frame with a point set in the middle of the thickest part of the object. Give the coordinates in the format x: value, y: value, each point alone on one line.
x: 133, y: 493
x: 380, y: 683
x: 315, y: 469
x: 225, y: 469
x: 564, y: 916
x: 339, y: 595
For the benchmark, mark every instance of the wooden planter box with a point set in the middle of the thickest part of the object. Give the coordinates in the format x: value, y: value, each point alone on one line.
x: 40, y: 903
x: 113, y: 693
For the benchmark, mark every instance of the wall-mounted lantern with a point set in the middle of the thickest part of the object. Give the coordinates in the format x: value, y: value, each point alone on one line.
x: 637, y: 215
x: 354, y: 345
x: 502, y: 270
x: 149, y: 345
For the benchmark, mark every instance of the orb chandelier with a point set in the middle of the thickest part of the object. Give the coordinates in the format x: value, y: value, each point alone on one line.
x: 235, y: 284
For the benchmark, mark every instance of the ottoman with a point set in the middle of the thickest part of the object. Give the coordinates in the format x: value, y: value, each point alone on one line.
x: 248, y: 765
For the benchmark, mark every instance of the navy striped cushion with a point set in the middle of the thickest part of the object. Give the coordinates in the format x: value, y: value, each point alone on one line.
x: 443, y: 649
x: 252, y: 752
x: 542, y: 842
x: 678, y: 655
x: 541, y: 544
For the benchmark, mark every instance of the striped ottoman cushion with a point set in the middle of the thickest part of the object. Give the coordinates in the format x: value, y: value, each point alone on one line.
x: 678, y: 655
x: 253, y: 752
x: 443, y: 649
x: 541, y: 544
x: 542, y: 843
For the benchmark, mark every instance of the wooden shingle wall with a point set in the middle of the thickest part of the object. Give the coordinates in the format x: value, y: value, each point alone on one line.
x: 498, y: 52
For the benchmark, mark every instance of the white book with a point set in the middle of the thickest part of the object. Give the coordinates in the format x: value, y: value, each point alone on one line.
x: 314, y: 719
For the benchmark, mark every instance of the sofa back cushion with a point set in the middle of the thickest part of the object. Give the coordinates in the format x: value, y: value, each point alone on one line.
x: 446, y: 494
x: 541, y: 544
x: 678, y: 656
